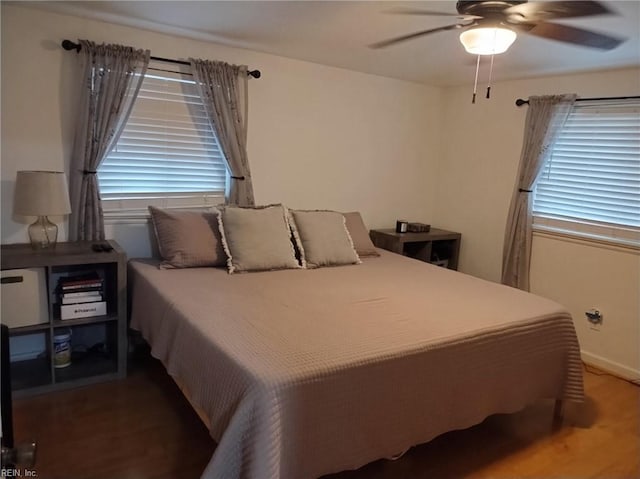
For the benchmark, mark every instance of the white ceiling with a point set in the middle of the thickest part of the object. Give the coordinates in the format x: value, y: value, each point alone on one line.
x: 338, y: 33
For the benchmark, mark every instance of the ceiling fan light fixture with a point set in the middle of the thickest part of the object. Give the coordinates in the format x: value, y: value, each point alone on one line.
x: 487, y: 40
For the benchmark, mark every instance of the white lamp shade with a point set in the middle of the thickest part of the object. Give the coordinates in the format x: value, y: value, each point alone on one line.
x: 487, y: 41
x: 41, y: 193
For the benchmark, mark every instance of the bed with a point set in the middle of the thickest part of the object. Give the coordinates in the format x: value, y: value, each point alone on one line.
x: 301, y: 373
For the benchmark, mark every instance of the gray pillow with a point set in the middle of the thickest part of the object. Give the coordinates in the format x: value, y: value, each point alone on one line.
x: 360, y: 235
x: 323, y: 238
x: 187, y: 238
x: 257, y: 239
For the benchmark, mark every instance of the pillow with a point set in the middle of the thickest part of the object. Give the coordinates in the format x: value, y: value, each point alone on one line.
x: 323, y: 239
x: 257, y: 239
x: 187, y: 239
x: 360, y: 235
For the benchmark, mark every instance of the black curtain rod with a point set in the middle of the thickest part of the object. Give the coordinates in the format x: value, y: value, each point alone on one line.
x: 520, y: 101
x: 69, y: 45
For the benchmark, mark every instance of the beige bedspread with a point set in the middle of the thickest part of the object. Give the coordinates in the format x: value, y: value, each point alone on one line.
x: 307, y: 372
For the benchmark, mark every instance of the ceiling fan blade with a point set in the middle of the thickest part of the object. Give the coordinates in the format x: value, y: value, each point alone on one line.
x: 418, y: 11
x: 567, y: 34
x: 404, y: 38
x: 541, y: 11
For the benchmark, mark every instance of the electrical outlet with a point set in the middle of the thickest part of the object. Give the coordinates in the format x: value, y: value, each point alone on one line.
x: 594, y: 317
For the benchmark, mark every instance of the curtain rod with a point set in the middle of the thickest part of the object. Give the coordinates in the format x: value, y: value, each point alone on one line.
x: 69, y: 45
x: 520, y: 101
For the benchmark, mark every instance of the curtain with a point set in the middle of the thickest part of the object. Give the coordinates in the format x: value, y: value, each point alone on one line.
x: 111, y: 79
x: 545, y: 117
x: 223, y: 89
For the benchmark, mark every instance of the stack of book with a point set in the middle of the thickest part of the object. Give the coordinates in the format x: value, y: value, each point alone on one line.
x: 81, y: 296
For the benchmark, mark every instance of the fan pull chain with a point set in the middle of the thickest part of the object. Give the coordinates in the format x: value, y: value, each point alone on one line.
x: 490, y: 76
x: 475, y: 83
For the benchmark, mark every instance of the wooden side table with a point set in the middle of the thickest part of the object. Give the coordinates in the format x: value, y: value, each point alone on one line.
x: 437, y: 246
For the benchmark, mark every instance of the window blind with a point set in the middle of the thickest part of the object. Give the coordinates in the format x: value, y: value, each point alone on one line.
x: 593, y: 174
x: 167, y: 148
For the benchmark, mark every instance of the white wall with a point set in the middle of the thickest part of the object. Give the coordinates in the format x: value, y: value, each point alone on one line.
x: 475, y: 182
x: 319, y: 137
x: 583, y: 276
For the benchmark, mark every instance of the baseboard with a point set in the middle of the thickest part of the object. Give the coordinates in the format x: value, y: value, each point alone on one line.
x: 609, y: 366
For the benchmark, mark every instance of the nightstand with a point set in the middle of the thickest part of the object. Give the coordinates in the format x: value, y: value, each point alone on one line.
x: 98, y: 338
x: 439, y: 247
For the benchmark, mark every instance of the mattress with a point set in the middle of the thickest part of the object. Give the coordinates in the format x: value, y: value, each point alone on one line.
x: 302, y: 373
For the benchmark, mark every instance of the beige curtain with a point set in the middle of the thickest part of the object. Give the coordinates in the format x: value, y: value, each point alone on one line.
x: 111, y: 79
x: 545, y: 117
x: 223, y: 89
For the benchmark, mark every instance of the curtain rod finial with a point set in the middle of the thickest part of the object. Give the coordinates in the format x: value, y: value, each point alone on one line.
x: 520, y: 102
x: 69, y: 45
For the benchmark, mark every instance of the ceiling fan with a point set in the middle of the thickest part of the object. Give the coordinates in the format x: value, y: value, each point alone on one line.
x: 520, y: 16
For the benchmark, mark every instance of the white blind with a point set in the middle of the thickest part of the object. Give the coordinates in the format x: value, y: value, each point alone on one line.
x: 593, y: 174
x: 167, y: 148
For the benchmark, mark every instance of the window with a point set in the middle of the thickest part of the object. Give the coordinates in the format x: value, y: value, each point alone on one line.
x: 590, y: 186
x: 167, y: 155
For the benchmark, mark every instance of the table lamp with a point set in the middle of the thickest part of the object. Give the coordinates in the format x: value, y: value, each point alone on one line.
x: 41, y: 194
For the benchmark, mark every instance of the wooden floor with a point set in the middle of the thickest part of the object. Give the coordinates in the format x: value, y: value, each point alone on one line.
x: 142, y: 427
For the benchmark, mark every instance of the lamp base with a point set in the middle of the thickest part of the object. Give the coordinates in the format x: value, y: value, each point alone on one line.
x: 43, y: 233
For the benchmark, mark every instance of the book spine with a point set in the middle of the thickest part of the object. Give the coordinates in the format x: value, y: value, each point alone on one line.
x: 83, y: 289
x: 82, y: 299
x: 71, y: 287
x: 67, y: 281
x: 80, y: 294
